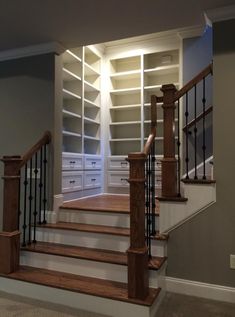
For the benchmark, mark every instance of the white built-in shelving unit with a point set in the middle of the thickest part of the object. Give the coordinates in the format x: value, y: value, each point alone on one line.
x: 107, y: 107
x: 81, y: 122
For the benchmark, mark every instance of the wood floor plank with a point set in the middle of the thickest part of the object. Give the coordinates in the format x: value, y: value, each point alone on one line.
x: 106, y: 203
x: 80, y: 284
x: 120, y: 231
x: 92, y: 254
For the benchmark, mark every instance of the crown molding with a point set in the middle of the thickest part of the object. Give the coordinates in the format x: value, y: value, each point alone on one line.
x: 32, y: 50
x: 219, y: 14
x: 190, y: 32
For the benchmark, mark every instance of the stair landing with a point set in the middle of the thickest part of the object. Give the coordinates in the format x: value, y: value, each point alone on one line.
x: 109, y: 203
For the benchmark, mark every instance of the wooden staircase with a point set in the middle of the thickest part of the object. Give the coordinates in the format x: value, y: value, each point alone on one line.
x: 102, y: 247
x: 90, y: 258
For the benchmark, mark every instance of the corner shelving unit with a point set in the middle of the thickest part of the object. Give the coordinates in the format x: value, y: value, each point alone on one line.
x: 81, y: 122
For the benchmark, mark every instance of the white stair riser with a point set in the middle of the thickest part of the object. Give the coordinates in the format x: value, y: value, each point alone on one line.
x: 101, y: 270
x: 94, y: 240
x: 200, y: 196
x: 98, y: 218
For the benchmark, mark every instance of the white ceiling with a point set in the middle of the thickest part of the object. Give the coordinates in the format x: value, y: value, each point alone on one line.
x: 79, y: 22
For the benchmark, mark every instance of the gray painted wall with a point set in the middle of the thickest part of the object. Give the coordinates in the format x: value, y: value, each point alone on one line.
x: 199, y: 250
x: 27, y: 90
x: 197, y: 54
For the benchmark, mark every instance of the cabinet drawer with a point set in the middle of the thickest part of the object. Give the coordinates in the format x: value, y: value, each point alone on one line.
x: 118, y: 163
x: 92, y: 180
x: 91, y: 163
x: 72, y: 181
x: 72, y: 162
x: 118, y: 179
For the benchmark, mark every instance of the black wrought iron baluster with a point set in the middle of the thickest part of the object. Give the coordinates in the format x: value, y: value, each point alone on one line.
x: 19, y: 200
x: 25, y: 205
x: 203, y: 128
x: 187, y: 134
x: 178, y: 148
x: 35, y: 197
x: 153, y: 159
x: 147, y: 202
x: 149, y: 199
x: 30, y: 200
x: 195, y: 132
x: 44, y: 183
x: 40, y: 189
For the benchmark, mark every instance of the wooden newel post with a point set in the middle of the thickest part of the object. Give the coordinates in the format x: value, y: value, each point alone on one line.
x: 11, y: 192
x: 138, y: 279
x: 169, y: 162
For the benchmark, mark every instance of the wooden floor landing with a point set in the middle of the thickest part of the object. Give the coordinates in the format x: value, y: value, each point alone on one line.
x: 109, y: 203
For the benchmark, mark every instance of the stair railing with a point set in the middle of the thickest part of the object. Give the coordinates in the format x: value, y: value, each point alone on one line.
x: 25, y: 196
x: 193, y: 93
x: 142, y: 212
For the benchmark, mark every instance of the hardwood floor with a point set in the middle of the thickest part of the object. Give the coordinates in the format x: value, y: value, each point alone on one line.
x: 80, y: 284
x: 113, y: 203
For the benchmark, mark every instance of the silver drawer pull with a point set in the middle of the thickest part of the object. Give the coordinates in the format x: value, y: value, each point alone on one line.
x: 124, y: 179
x: 124, y: 163
x: 72, y: 182
x: 72, y: 162
x: 93, y: 179
x: 93, y: 163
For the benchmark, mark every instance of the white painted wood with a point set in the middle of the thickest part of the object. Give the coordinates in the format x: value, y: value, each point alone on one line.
x: 199, y: 289
x: 92, y: 162
x: 112, y: 219
x: 95, y: 218
x: 94, y: 240
x: 199, y: 196
x: 72, y: 161
x: 86, y: 302
x: 101, y: 270
x: 72, y: 181
x: 92, y: 179
x: 118, y: 178
x: 118, y: 163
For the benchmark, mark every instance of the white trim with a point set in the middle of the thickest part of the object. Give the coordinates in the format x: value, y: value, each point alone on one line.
x: 219, y: 14
x: 199, y: 289
x: 76, y: 300
x: 44, y: 48
x: 190, y: 32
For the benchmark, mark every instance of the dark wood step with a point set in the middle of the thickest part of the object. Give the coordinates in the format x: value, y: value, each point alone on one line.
x: 80, y: 284
x: 98, y: 255
x: 96, y: 229
x: 102, y: 203
x: 173, y: 199
x: 198, y: 181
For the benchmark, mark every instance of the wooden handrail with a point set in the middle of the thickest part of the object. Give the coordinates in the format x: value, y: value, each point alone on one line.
x: 205, y: 72
x: 198, y: 118
x: 149, y: 142
x: 45, y: 139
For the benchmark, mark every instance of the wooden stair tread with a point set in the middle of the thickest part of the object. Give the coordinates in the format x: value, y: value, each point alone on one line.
x: 96, y: 229
x: 104, y: 203
x: 80, y: 284
x: 198, y: 181
x: 99, y: 255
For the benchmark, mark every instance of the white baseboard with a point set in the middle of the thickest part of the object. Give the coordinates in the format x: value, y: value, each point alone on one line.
x: 199, y: 289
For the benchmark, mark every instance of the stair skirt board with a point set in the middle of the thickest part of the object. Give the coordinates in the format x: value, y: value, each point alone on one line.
x: 200, y: 196
x: 98, y: 218
x: 95, y: 240
x: 101, y: 270
x: 91, y: 303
